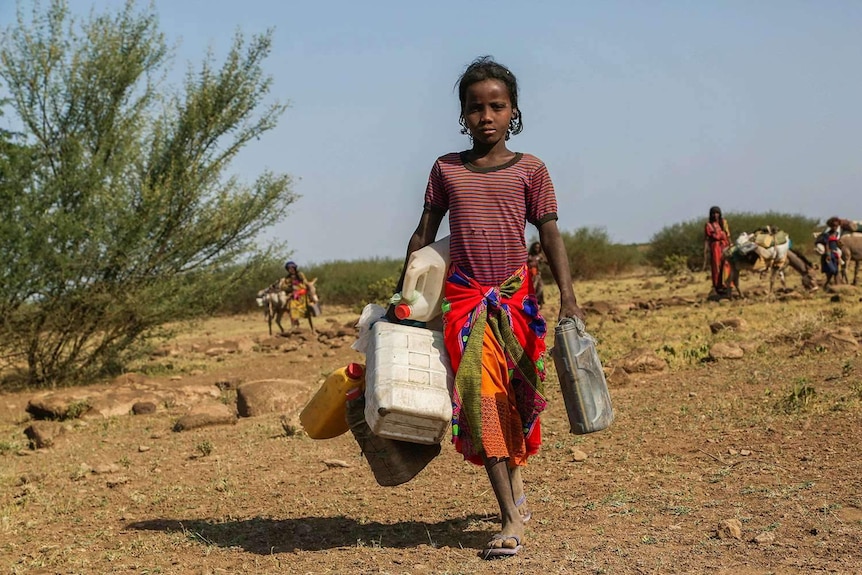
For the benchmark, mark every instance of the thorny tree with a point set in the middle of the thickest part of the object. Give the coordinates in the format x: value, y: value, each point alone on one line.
x: 118, y: 214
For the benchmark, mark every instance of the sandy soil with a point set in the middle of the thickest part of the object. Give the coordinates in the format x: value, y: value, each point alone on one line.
x: 768, y: 443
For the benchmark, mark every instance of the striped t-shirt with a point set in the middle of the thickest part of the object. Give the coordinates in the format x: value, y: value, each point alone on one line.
x: 488, y: 211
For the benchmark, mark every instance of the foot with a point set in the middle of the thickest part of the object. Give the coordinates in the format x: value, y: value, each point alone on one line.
x: 502, y: 546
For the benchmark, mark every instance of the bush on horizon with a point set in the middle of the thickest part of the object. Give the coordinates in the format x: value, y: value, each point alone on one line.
x: 592, y: 255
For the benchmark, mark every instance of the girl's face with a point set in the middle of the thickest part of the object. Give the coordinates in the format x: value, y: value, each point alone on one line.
x: 487, y: 112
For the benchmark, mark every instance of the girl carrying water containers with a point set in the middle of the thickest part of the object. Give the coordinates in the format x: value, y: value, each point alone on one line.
x: 493, y: 331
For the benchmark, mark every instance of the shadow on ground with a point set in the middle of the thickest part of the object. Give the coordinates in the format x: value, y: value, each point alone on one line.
x: 266, y: 536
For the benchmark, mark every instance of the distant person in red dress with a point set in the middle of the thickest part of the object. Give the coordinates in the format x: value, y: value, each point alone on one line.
x: 716, y: 240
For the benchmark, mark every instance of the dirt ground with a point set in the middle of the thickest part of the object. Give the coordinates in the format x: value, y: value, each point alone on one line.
x: 745, y: 466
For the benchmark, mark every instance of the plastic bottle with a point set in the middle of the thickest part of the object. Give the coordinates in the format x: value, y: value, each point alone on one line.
x: 325, y: 416
x: 422, y: 291
x: 582, y: 381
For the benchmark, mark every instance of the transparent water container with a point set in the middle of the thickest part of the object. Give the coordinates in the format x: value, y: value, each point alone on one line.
x: 582, y: 381
x: 422, y: 291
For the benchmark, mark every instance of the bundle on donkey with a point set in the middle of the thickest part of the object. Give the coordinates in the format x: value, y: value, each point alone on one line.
x: 767, y: 250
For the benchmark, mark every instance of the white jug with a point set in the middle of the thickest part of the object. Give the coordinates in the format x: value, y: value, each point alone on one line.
x: 407, y: 383
x: 422, y: 291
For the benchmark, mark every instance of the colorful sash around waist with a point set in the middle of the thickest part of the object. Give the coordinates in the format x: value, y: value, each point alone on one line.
x: 512, y: 313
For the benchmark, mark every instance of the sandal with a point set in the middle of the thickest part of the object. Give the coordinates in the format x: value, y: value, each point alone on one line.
x: 501, y: 552
x: 524, y: 516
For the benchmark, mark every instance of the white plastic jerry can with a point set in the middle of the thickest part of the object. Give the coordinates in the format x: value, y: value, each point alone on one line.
x: 408, y: 383
x: 422, y: 291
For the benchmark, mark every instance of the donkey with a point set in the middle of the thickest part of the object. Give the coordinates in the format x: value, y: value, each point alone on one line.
x: 776, y: 258
x: 275, y: 303
x: 851, y: 247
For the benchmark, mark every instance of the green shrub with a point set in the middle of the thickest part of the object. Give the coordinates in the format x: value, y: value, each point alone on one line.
x: 675, y: 265
x: 356, y: 283
x: 592, y: 254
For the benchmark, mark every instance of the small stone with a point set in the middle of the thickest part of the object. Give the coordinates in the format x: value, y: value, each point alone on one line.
x: 143, y: 407
x: 336, y: 463
x: 745, y: 452
x: 765, y: 538
x: 729, y: 529
x: 117, y: 481
x: 578, y: 455
x: 732, y: 451
x: 43, y: 434
x: 734, y: 323
x: 143, y: 448
x: 722, y: 350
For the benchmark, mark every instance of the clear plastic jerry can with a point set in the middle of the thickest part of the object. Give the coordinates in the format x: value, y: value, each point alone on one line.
x: 582, y: 381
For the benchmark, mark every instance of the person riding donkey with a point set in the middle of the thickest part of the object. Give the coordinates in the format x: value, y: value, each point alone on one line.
x: 300, y: 293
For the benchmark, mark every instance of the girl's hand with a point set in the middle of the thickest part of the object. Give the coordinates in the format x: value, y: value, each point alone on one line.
x: 571, y: 310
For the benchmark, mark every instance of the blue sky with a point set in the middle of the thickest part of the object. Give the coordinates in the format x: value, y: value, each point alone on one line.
x: 646, y: 113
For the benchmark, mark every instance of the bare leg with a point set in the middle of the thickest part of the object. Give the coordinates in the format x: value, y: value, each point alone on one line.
x: 512, y: 524
x: 518, y: 492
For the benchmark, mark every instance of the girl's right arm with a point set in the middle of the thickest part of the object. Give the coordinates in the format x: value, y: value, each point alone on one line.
x: 555, y: 251
x: 425, y: 233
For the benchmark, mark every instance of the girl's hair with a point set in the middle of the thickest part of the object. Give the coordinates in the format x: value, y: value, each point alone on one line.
x: 715, y: 210
x: 485, y: 68
x: 535, y: 248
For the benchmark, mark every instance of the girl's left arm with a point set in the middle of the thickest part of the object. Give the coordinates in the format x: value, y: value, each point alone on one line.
x: 558, y: 260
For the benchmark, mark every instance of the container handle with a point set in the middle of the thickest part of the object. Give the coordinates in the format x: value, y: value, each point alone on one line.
x: 579, y: 324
